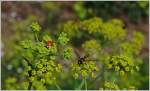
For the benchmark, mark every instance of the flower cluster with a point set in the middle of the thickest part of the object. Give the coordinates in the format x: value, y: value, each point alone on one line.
x: 71, y: 28
x: 92, y: 25
x: 107, y: 29
x: 35, y: 27
x: 44, y: 70
x: 113, y: 30
x: 37, y: 48
x: 134, y: 45
x: 26, y: 44
x: 110, y: 86
x: 46, y: 38
x: 110, y: 30
x: 121, y: 64
x: 87, y: 69
x: 67, y: 54
x: 11, y: 84
x: 40, y: 59
x: 63, y: 39
x: 137, y: 41
x: 90, y: 46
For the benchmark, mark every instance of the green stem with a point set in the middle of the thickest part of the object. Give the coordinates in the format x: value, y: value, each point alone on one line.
x: 36, y: 36
x: 81, y: 85
x: 58, y: 87
x: 85, y: 83
x: 103, y: 77
x: 30, y: 85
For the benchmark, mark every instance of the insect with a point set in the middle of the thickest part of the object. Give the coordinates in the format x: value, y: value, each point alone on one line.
x: 49, y: 43
x: 82, y: 60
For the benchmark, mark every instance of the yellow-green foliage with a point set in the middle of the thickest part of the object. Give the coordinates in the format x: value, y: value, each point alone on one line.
x: 111, y: 30
x: 92, y: 25
x: 40, y: 63
x: 110, y: 86
x: 134, y: 45
x: 90, y: 46
x: 71, y: 28
x: 11, y: 84
x: 68, y: 53
x: 43, y: 57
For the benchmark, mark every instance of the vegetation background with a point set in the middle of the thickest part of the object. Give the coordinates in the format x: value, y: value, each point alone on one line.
x: 17, y: 16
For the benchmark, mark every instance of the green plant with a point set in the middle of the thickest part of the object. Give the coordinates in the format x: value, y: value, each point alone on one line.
x: 110, y: 86
x: 41, y: 67
x: 100, y: 36
x: 103, y: 51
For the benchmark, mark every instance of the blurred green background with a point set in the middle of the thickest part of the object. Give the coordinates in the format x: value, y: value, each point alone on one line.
x: 17, y: 16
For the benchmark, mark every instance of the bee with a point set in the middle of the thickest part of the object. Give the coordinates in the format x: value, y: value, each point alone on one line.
x: 49, y: 43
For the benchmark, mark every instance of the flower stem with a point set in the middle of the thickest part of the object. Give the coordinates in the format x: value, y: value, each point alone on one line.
x: 81, y: 85
x: 85, y: 83
x: 30, y: 85
x: 36, y: 36
x: 58, y: 87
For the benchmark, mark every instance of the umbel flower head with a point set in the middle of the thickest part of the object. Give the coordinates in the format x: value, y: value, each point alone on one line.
x: 87, y: 69
x: 134, y: 45
x: 38, y: 48
x: 68, y: 52
x: 35, y: 27
x: 44, y: 70
x: 63, y: 39
x: 111, y: 30
x: 92, y: 47
x: 92, y: 25
x: 71, y: 28
x: 121, y: 64
x: 110, y: 86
